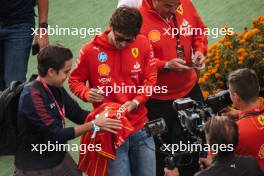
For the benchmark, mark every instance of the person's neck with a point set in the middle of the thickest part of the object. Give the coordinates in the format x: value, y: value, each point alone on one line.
x: 110, y: 36
x: 249, y: 106
x: 47, y: 80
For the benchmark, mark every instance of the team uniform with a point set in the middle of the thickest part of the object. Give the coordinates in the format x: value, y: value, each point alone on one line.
x: 180, y: 83
x: 251, y: 134
x: 100, y: 64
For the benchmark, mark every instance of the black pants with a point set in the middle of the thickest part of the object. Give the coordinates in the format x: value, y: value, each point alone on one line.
x: 163, y: 109
x: 67, y: 167
x: 2, y: 85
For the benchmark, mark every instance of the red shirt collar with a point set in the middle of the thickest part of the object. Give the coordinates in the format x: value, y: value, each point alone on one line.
x: 251, y: 112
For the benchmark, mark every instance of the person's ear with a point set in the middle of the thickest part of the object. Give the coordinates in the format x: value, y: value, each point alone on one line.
x: 237, y: 97
x: 51, y: 72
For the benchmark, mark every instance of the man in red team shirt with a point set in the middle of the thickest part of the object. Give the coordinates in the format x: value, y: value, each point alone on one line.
x: 120, y: 57
x: 176, y: 55
x: 244, y: 91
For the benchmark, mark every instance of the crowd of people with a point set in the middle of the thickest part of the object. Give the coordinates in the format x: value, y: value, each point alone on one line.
x: 133, y: 51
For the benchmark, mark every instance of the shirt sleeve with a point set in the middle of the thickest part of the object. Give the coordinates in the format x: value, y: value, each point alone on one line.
x: 72, y: 109
x: 79, y: 76
x: 40, y: 117
x: 150, y: 74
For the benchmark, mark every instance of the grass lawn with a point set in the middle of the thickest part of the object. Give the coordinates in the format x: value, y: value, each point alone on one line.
x: 96, y: 14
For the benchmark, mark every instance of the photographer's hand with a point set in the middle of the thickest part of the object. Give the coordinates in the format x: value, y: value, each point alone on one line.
x: 173, y: 172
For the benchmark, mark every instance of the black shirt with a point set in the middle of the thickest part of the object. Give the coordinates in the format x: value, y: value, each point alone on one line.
x: 39, y: 122
x: 232, y: 165
x: 16, y: 11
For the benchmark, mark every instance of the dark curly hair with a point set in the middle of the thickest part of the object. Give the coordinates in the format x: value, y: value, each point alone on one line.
x: 126, y: 20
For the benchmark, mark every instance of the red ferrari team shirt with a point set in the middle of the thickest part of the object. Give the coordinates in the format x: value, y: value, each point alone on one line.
x: 130, y: 68
x: 159, y: 31
x: 251, y: 134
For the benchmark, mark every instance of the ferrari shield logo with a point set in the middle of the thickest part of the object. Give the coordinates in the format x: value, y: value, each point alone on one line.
x: 261, y: 120
x: 180, y: 10
x: 134, y: 52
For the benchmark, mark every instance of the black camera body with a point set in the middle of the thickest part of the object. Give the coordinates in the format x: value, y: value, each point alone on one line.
x: 192, y: 116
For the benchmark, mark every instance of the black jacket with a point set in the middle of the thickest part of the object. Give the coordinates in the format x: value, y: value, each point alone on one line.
x: 232, y: 165
x: 39, y: 122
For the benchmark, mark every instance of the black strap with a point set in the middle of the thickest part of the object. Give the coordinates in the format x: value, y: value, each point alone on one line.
x: 251, y: 114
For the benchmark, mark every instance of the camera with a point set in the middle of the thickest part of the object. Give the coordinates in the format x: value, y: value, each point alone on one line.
x: 155, y: 127
x: 193, y: 114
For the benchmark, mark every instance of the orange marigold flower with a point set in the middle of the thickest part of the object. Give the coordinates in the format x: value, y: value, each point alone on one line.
x: 201, y: 80
x: 241, y: 50
x: 255, y: 31
x: 218, y: 75
x: 221, y: 40
x: 213, y: 71
x: 251, y: 57
x: 240, y: 62
x: 205, y: 94
x: 247, y: 35
x: 242, y: 41
x: 228, y: 44
x: 261, y: 45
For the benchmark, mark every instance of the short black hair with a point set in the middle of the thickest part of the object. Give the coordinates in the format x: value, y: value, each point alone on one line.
x: 52, y: 56
x: 126, y: 20
x: 245, y: 84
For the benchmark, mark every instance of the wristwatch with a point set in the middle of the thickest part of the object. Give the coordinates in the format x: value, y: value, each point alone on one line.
x: 43, y: 25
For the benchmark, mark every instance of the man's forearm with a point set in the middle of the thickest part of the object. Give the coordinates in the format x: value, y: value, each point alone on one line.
x: 43, y: 6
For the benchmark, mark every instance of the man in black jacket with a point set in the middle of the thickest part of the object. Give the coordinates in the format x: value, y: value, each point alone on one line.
x: 221, y: 131
x: 43, y: 106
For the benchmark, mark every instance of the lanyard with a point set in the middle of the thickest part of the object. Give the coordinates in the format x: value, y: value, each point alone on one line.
x: 251, y: 114
x: 60, y: 109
